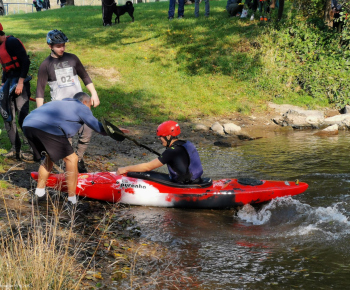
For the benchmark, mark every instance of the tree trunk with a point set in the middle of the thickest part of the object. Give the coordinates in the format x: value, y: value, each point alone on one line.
x: 327, y: 12
x: 70, y: 2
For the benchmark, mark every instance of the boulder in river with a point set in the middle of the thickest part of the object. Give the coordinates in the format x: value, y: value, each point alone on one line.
x: 217, y: 128
x: 231, y: 128
x: 343, y: 121
x: 299, y: 118
x: 329, y: 131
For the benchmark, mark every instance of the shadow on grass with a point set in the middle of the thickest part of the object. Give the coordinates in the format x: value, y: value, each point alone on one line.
x: 127, y: 107
x: 217, y: 45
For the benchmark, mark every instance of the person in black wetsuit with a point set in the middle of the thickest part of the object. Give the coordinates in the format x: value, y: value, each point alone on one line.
x: 181, y: 157
x: 15, y: 66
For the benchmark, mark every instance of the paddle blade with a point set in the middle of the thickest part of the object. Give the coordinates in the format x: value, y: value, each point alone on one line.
x: 112, y: 131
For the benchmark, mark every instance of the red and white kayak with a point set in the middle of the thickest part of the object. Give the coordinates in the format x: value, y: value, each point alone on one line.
x: 155, y: 189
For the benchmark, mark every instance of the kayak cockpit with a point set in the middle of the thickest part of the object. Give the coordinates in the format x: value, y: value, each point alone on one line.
x: 164, y: 179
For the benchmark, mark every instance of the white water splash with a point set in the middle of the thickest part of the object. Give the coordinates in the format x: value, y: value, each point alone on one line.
x: 331, y: 222
x: 262, y: 216
x: 249, y: 214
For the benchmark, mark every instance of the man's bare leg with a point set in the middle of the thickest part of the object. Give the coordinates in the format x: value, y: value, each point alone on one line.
x: 44, y: 171
x: 273, y: 4
x: 71, y: 162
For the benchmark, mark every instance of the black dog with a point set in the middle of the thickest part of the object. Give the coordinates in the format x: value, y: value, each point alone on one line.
x: 120, y: 10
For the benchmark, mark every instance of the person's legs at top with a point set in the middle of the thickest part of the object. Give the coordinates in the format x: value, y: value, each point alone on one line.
x: 181, y: 9
x: 266, y: 11
x: 196, y: 8
x: 263, y: 10
x: 171, y: 12
x: 207, y: 8
x: 253, y: 5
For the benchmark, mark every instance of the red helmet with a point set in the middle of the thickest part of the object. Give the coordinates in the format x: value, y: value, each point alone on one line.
x: 168, y: 128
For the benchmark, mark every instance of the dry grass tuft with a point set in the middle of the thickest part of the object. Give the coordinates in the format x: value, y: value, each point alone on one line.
x: 35, y: 254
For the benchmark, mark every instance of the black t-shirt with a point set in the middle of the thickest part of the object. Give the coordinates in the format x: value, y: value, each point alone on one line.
x: 176, y: 157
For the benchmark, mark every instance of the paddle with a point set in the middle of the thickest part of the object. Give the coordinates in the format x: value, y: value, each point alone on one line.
x: 112, y: 131
x: 118, y: 135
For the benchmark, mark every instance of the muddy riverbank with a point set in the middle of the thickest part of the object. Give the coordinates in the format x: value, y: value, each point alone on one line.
x: 114, y: 237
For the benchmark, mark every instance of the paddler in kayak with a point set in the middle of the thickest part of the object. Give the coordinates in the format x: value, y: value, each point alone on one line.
x: 48, y: 128
x: 180, y: 156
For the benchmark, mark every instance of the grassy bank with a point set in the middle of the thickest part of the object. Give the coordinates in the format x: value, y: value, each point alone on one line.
x: 153, y: 69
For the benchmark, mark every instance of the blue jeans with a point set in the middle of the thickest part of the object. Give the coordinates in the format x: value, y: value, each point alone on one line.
x: 196, y: 8
x: 180, y: 10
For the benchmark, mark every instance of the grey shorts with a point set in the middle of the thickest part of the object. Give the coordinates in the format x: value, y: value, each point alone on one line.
x: 57, y: 147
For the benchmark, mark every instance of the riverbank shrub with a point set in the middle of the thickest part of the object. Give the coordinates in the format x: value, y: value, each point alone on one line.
x: 316, y: 58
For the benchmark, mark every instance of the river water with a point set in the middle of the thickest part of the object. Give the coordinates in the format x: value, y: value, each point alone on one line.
x: 300, y: 242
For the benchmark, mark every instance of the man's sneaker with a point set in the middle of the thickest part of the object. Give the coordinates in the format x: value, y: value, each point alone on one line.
x: 12, y: 154
x: 35, y: 199
x: 252, y: 17
x: 170, y: 18
x: 181, y: 17
x: 81, y: 167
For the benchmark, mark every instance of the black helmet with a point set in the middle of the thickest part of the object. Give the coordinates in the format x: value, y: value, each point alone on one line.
x: 56, y: 37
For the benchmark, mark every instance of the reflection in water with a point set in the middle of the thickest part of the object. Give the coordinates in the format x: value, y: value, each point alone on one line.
x: 289, y: 242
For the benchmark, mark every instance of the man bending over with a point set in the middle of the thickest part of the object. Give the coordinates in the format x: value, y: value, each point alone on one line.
x: 48, y: 128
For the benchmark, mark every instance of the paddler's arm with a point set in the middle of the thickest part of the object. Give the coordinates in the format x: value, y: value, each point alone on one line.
x: 142, y: 167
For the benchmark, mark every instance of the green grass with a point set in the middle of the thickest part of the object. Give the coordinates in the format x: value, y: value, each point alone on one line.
x: 3, y: 184
x: 152, y: 70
